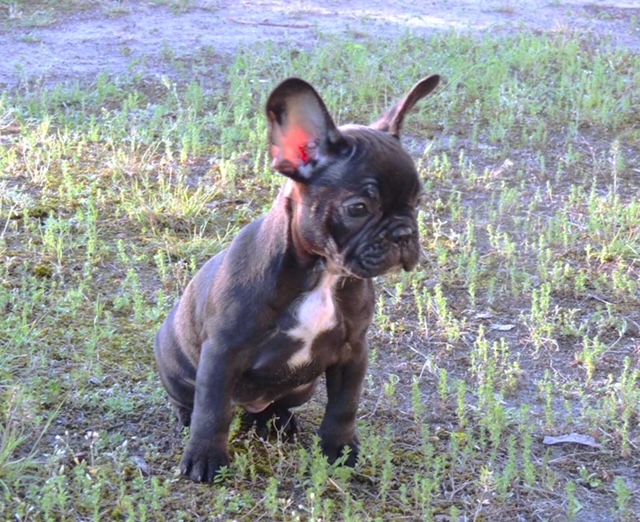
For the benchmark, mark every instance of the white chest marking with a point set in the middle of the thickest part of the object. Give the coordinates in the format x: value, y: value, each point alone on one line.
x: 316, y: 314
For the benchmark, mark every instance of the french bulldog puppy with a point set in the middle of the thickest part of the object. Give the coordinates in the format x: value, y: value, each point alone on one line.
x: 292, y: 297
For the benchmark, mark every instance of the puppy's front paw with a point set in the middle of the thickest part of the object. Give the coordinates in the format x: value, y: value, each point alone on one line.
x: 334, y: 451
x: 202, y: 465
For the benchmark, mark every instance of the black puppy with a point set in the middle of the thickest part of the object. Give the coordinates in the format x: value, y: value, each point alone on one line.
x: 292, y: 297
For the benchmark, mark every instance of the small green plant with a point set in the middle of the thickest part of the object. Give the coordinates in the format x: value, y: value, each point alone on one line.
x: 623, y: 499
x: 573, y: 504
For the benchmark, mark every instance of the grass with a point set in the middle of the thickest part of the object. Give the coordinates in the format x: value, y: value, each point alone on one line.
x: 522, y: 321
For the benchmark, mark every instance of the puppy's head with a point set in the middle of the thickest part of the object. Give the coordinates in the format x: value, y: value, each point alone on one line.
x: 353, y: 189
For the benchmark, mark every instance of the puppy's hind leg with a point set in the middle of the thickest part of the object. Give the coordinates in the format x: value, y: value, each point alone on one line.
x: 277, y: 417
x: 177, y: 372
x: 183, y: 414
x: 274, y: 420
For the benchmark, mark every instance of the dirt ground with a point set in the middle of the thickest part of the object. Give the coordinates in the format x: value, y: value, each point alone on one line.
x: 116, y: 35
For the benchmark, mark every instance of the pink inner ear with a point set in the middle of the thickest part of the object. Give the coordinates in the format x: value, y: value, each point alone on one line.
x: 304, y: 155
x: 294, y: 147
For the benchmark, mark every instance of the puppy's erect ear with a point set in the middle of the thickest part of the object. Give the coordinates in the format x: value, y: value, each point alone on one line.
x: 391, y: 121
x: 301, y: 131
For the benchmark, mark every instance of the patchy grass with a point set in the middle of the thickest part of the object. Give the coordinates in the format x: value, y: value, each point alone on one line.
x: 522, y: 321
x: 40, y: 13
x: 44, y: 13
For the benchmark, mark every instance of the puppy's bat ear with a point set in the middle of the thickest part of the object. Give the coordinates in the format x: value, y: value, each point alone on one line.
x: 391, y: 120
x: 301, y: 131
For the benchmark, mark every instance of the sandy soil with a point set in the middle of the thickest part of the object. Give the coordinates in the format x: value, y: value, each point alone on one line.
x: 112, y: 37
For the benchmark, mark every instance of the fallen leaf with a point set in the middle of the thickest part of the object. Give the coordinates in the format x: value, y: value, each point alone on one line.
x: 572, y: 438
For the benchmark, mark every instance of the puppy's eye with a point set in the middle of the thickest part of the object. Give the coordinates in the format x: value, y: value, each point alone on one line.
x: 357, y: 210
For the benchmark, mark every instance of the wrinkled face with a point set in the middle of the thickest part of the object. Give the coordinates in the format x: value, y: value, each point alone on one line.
x: 360, y: 211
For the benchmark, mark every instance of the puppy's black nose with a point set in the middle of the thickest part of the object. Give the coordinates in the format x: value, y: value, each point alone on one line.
x: 401, y: 233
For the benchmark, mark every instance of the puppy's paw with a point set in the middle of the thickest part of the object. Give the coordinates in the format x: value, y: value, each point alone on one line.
x: 333, y: 452
x: 202, y: 466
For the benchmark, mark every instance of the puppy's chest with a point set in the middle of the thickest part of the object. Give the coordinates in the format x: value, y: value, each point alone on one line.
x: 316, y: 314
x: 307, y: 338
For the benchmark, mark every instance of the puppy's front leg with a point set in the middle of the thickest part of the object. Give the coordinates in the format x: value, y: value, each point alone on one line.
x: 344, y: 385
x: 207, y: 449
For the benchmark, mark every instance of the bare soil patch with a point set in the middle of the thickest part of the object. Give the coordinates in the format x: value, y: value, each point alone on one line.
x: 118, y: 38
